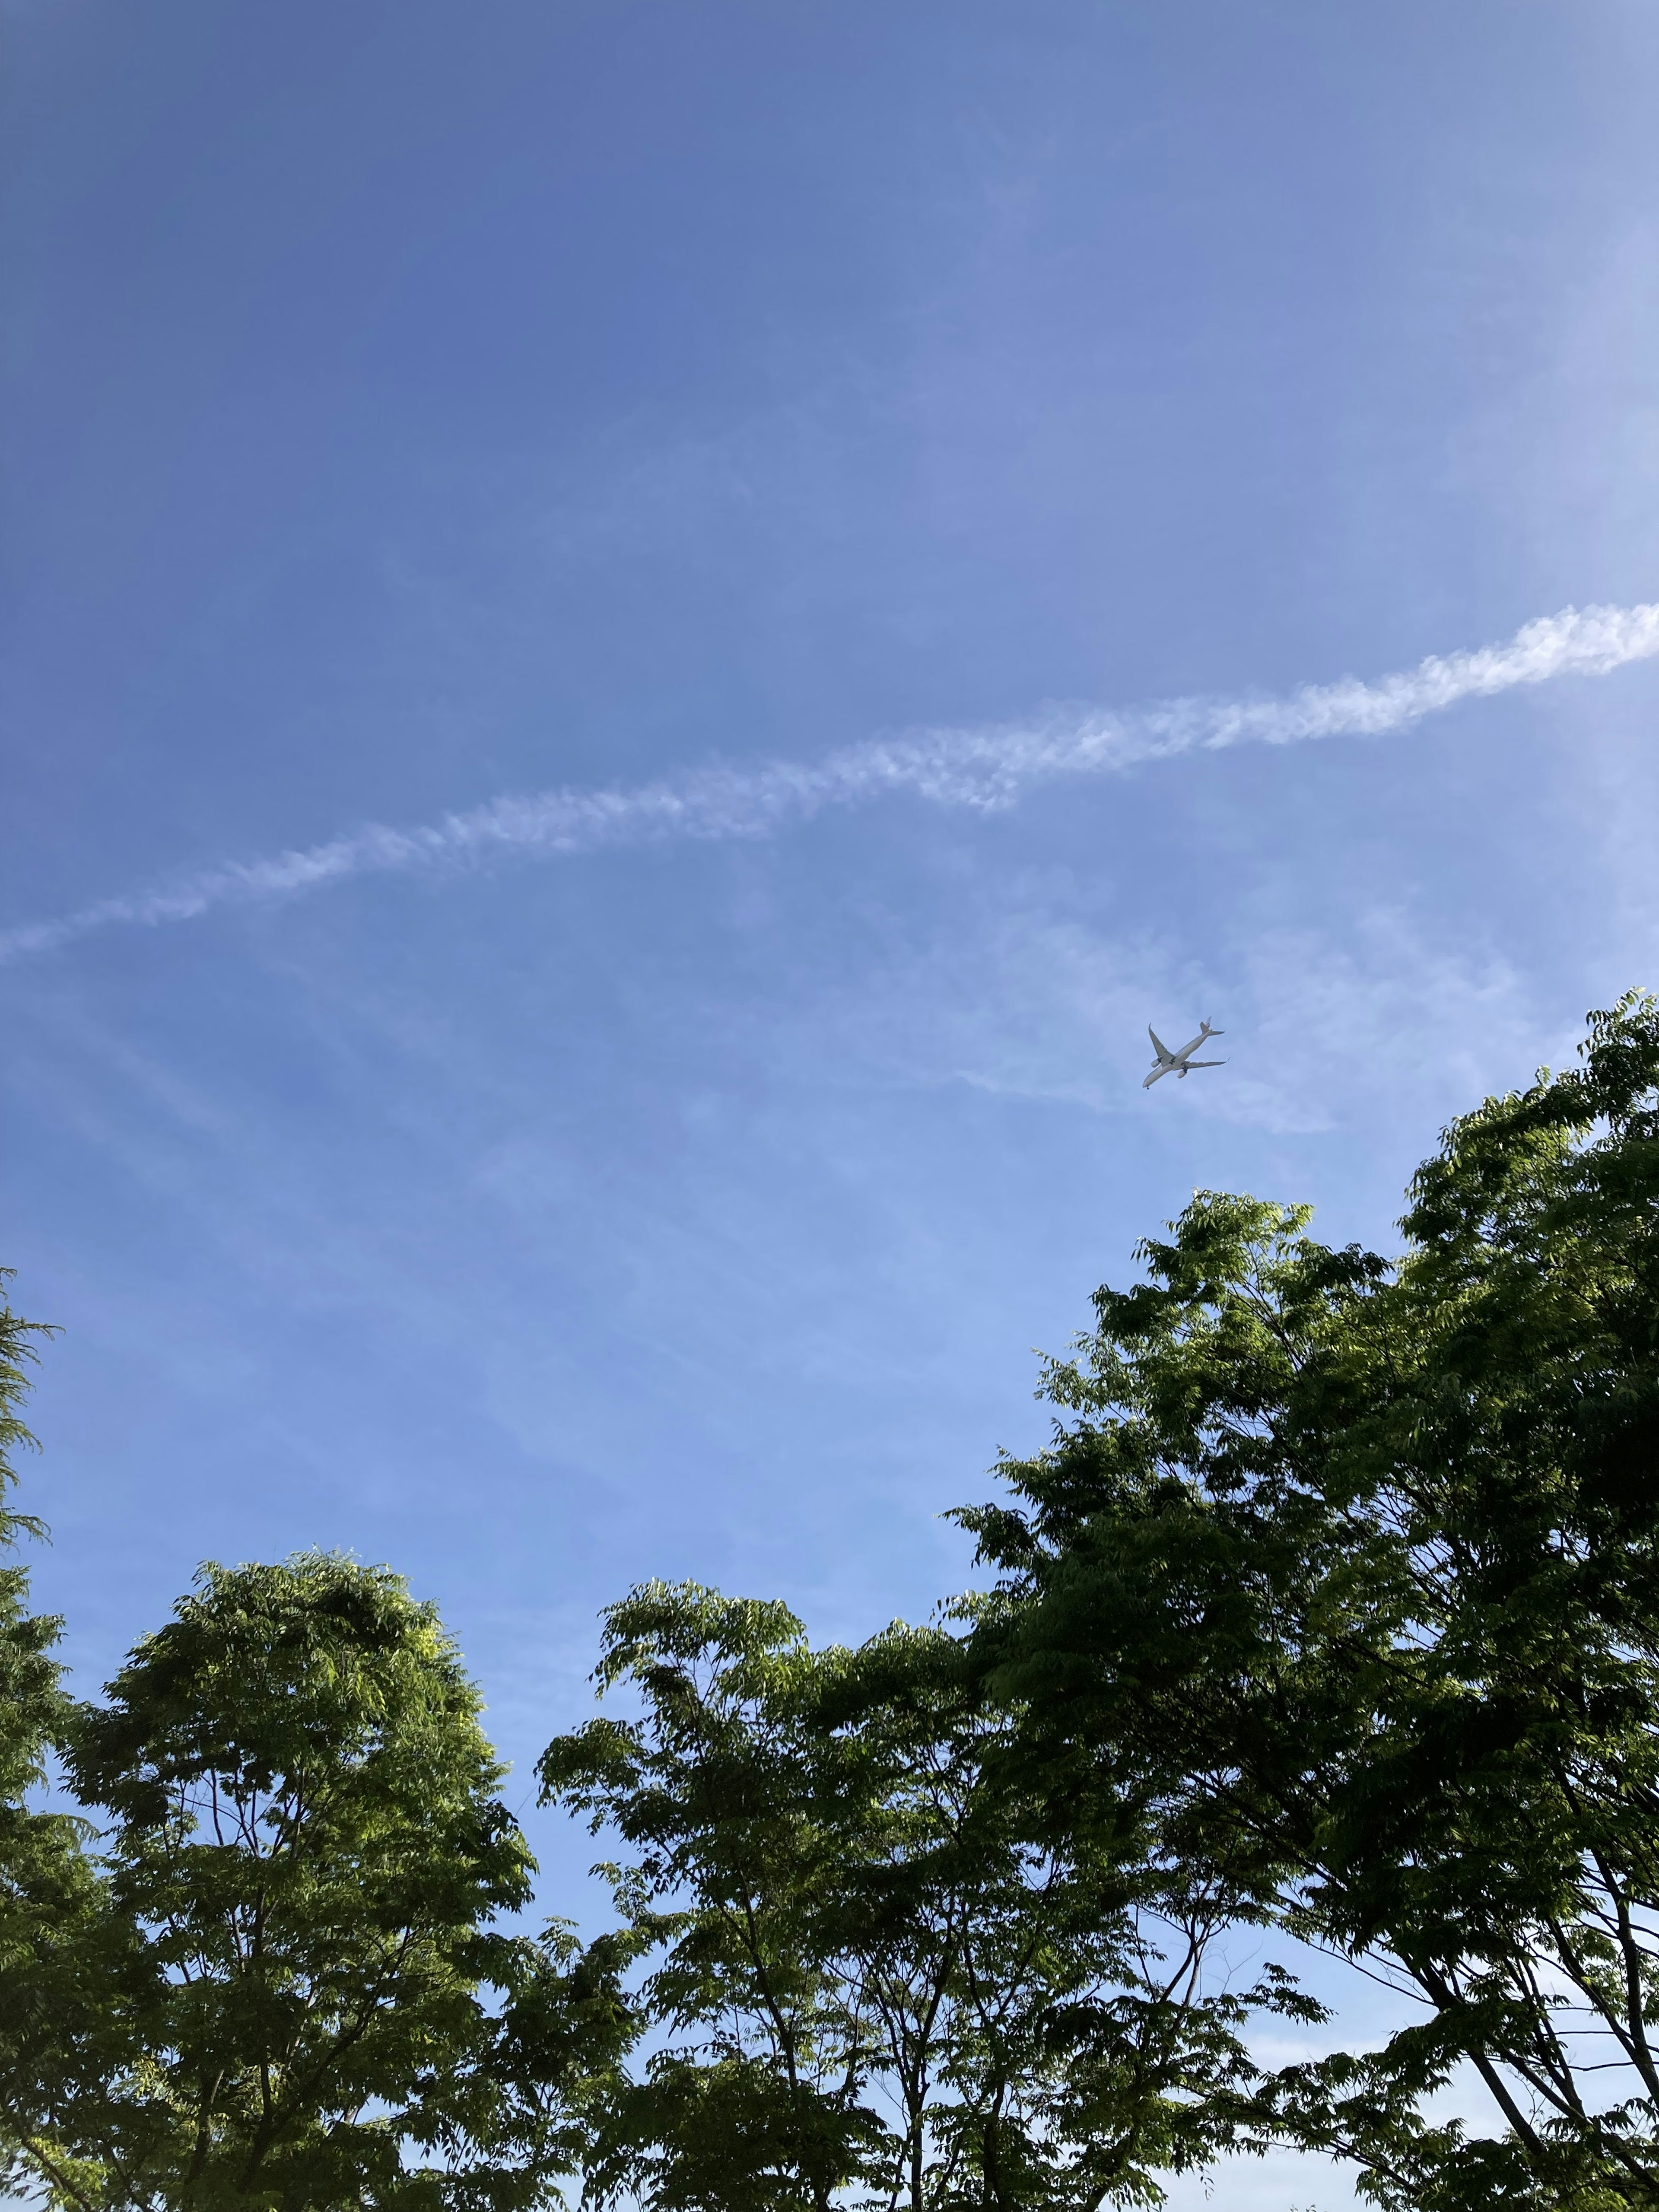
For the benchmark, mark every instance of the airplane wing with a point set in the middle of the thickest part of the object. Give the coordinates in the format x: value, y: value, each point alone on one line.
x: 1205, y: 1063
x: 1158, y: 1045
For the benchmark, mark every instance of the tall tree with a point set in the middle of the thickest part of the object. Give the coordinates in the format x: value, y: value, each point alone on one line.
x: 308, y: 1851
x: 28, y: 1677
x: 1356, y: 1567
x: 871, y: 1984
x: 55, y: 1930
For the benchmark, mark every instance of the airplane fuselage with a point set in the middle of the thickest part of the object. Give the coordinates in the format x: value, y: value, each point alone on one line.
x: 1180, y: 1062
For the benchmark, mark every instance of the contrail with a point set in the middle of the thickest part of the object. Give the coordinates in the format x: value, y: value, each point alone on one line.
x: 986, y: 768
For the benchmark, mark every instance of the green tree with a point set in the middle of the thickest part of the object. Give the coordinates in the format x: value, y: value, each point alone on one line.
x: 29, y: 1695
x: 1356, y: 1568
x: 54, y: 1927
x: 871, y: 1984
x: 306, y: 1852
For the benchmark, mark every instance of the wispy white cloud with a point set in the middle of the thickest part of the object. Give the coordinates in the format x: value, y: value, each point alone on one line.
x: 1383, y: 1027
x: 986, y: 768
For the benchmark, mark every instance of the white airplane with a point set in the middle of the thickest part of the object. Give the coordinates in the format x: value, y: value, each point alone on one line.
x: 1178, y: 1063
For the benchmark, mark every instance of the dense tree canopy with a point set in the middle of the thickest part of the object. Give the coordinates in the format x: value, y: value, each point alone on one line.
x: 1331, y: 1613
x: 28, y: 1678
x: 307, y: 1850
x: 874, y: 1982
x: 55, y: 1939
x: 1357, y: 1568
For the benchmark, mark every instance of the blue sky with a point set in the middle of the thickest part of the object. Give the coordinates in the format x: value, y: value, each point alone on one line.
x: 410, y: 404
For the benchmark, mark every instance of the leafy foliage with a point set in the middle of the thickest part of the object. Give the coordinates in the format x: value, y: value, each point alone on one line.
x: 873, y: 1985
x: 306, y: 1855
x: 1356, y: 1569
x: 1333, y: 1607
x: 28, y: 1677
x: 53, y: 1928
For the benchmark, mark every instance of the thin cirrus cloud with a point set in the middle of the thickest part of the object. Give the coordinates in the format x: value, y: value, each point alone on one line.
x: 985, y: 768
